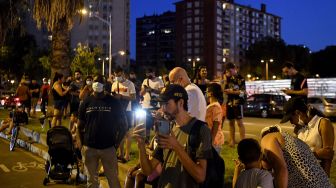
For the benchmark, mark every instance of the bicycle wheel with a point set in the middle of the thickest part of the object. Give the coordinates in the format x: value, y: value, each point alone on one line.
x: 13, y: 139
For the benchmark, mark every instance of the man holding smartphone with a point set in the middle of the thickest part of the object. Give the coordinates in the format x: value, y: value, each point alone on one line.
x: 179, y: 168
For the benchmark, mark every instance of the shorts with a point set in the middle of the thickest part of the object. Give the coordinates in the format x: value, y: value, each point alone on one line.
x: 59, y: 104
x: 34, y: 102
x: 234, y: 112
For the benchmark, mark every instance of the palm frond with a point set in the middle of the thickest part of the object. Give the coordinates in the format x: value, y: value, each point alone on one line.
x: 51, y: 12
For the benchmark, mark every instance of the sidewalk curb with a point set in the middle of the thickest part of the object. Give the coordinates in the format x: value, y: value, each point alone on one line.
x: 36, y: 143
x: 32, y: 147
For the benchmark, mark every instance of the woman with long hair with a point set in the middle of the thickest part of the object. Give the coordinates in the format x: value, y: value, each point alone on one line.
x: 58, y: 93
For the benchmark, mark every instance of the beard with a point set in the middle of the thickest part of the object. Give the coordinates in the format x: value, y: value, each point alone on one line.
x: 171, y: 116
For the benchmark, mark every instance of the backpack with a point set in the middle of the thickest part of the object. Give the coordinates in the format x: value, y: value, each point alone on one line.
x: 215, y: 166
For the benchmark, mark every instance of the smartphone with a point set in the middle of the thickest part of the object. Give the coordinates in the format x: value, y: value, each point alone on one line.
x: 163, y: 127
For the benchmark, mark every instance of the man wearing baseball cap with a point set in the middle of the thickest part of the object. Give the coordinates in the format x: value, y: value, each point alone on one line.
x: 179, y: 169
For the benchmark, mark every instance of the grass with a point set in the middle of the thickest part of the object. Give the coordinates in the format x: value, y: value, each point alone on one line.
x: 228, y: 153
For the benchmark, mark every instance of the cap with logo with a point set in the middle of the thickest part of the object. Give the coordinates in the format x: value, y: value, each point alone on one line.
x: 172, y: 91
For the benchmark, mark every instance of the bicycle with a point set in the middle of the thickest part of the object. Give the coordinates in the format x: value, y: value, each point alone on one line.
x: 18, y: 117
x: 13, y: 139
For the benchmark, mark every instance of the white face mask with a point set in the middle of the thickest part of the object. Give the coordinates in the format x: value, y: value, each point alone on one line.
x: 88, y: 82
x: 97, y: 87
x: 119, y: 79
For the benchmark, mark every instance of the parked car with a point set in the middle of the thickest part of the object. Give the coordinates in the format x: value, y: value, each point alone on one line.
x: 9, y: 101
x: 326, y: 105
x: 264, y: 105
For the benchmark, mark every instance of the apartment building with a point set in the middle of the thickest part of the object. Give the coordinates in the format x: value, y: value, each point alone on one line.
x: 155, y: 40
x: 94, y: 29
x: 214, y: 32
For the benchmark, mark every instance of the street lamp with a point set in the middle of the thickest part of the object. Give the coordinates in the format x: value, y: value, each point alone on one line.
x: 266, y: 61
x: 109, y: 23
x: 197, y: 59
x: 103, y: 66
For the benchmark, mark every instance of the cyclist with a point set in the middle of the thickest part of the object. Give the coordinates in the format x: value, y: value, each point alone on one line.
x: 18, y: 116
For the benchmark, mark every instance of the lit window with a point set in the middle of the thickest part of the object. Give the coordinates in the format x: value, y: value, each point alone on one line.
x: 151, y: 32
x: 167, y: 31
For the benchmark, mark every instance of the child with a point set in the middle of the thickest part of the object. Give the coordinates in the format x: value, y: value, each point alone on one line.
x: 248, y: 172
x: 73, y: 130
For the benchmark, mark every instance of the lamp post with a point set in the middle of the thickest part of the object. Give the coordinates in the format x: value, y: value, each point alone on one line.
x: 197, y: 59
x: 109, y: 23
x: 266, y: 62
x: 103, y: 64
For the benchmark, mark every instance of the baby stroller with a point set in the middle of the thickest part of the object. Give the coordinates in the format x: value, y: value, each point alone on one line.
x: 62, y: 158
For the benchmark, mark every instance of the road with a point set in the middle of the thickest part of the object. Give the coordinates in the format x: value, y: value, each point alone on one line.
x: 253, y: 126
x: 20, y: 168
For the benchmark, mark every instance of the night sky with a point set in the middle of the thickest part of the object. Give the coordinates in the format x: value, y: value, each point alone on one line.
x: 304, y: 22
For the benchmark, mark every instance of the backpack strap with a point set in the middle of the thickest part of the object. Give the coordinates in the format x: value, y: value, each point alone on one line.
x: 194, y: 137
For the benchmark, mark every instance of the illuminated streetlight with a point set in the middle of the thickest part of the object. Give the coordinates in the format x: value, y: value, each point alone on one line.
x: 249, y: 76
x: 266, y: 61
x: 109, y: 23
x: 197, y: 59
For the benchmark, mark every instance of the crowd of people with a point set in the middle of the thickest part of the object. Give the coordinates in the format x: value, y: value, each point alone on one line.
x: 103, y: 123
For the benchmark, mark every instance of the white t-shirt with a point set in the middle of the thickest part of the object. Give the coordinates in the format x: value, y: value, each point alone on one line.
x: 126, y: 88
x: 196, y: 102
x: 156, y: 84
x: 254, y: 178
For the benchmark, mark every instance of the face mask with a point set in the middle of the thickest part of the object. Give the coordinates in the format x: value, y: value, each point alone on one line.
x: 45, y: 82
x: 88, y: 82
x: 119, y: 79
x: 97, y: 87
x: 132, y: 76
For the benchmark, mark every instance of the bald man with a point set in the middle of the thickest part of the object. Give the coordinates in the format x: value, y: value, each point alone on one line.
x: 196, y: 99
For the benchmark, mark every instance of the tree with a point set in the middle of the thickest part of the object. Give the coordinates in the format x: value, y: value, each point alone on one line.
x: 58, y: 16
x: 84, y: 59
x: 300, y: 56
x: 265, y: 49
x: 9, y: 17
x: 323, y: 62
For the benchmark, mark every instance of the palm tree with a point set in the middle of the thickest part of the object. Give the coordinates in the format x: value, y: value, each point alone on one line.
x: 58, y: 16
x: 9, y: 19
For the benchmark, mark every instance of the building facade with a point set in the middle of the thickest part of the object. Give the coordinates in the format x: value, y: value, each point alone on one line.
x: 94, y: 30
x: 215, y: 32
x: 155, y: 40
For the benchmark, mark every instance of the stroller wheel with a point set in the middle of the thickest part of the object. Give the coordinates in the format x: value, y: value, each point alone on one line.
x: 45, y: 181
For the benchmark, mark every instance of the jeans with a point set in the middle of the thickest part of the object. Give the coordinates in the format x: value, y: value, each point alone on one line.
x: 109, y: 161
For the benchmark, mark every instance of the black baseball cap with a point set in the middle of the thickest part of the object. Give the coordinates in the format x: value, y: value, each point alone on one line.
x: 290, y: 106
x: 172, y: 91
